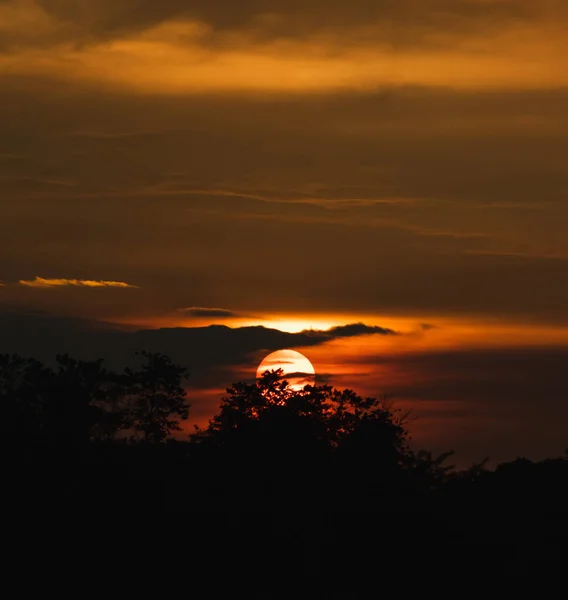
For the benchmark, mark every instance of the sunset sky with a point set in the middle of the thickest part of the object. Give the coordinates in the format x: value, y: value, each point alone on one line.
x: 271, y: 167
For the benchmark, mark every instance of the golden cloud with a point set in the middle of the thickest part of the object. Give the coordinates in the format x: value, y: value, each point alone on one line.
x: 40, y: 282
x: 177, y: 57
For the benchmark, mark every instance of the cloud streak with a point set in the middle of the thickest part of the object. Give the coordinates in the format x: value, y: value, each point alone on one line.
x: 40, y: 282
x: 406, y: 22
x: 351, y: 330
x: 217, y: 313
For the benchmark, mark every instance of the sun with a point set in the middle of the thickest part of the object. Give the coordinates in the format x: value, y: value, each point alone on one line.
x: 298, y: 370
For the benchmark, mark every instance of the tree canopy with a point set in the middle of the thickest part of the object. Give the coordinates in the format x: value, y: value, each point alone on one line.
x: 78, y: 401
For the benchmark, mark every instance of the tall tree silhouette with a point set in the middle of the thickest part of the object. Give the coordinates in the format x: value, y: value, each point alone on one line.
x: 20, y: 398
x: 158, y: 399
x: 73, y: 397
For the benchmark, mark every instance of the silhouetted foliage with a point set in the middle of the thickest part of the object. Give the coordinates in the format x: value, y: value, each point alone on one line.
x: 72, y: 397
x: 79, y: 401
x: 340, y: 415
x: 317, y: 436
x: 158, y: 397
x: 319, y: 471
x: 21, y: 383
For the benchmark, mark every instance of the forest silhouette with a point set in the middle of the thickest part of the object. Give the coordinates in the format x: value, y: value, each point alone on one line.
x: 320, y: 468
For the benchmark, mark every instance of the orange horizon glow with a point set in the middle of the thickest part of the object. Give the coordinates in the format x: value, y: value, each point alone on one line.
x: 417, y: 331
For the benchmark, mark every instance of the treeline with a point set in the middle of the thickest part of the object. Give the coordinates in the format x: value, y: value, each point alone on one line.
x: 81, y: 401
x: 83, y: 437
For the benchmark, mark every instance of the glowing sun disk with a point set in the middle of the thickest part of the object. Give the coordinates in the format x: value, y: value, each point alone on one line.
x: 297, y: 369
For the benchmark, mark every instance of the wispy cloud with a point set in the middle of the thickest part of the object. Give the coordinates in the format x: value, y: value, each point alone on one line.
x: 346, y: 331
x: 200, y: 311
x: 519, y: 255
x: 40, y: 282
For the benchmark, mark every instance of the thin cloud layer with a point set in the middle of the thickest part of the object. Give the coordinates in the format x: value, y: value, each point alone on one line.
x: 351, y: 330
x: 404, y: 21
x: 414, y: 200
x: 40, y: 282
x: 213, y: 313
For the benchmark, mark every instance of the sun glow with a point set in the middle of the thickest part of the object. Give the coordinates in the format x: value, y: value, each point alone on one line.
x: 298, y: 370
x: 294, y: 325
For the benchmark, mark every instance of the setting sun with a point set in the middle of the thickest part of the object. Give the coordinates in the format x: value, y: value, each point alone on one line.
x: 298, y: 370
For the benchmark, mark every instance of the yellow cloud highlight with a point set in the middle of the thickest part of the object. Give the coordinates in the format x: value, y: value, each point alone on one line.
x: 40, y: 282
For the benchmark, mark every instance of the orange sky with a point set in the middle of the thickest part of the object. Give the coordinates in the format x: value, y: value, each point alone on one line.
x: 298, y: 165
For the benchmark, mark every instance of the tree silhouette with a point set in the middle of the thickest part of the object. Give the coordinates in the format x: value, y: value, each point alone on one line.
x: 327, y: 453
x: 317, y: 440
x: 74, y: 395
x: 341, y: 414
x: 158, y: 399
x: 21, y: 381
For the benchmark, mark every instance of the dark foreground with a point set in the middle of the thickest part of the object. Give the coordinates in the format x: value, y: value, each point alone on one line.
x: 319, y: 483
